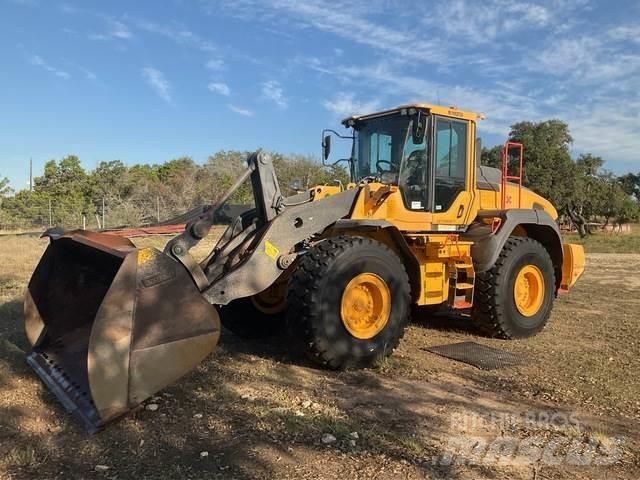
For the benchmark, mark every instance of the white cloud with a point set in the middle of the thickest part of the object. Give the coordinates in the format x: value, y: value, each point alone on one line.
x: 240, y: 111
x: 345, y: 104
x: 116, y: 29
x: 626, y: 33
x: 215, y: 64
x: 607, y: 130
x: 324, y: 16
x: 484, y: 20
x: 588, y: 59
x: 119, y: 30
x: 501, y: 106
x: 157, y: 81
x: 89, y: 75
x: 272, y: 90
x: 219, y: 87
x: 178, y: 34
x: 38, y: 61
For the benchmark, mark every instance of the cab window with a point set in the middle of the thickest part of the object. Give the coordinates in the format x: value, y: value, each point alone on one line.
x: 451, y: 162
x: 414, y: 172
x: 380, y: 151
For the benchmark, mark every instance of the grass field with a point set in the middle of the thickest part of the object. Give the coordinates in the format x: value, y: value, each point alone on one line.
x: 608, y: 242
x: 260, y: 411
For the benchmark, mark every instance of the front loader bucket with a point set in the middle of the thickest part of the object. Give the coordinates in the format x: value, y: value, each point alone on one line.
x: 111, y: 324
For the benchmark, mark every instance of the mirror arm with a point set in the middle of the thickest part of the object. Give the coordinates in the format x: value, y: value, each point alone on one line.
x: 347, y: 137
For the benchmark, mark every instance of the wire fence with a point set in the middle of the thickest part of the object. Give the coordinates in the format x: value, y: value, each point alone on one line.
x: 105, y: 213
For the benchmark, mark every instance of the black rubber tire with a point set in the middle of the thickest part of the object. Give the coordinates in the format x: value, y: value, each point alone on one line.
x: 245, y: 320
x: 315, y: 295
x: 494, y: 310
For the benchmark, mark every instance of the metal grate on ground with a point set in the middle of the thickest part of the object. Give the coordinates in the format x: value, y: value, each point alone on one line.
x: 480, y: 356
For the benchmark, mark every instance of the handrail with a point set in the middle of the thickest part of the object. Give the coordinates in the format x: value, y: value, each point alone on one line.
x: 505, y: 172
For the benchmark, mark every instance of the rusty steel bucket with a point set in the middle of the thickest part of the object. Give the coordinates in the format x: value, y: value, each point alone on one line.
x: 111, y: 324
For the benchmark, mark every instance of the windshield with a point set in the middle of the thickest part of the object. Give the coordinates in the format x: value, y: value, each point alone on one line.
x: 378, y: 145
x: 385, y: 148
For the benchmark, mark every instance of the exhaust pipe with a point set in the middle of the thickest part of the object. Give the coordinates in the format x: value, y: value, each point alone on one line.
x: 111, y: 324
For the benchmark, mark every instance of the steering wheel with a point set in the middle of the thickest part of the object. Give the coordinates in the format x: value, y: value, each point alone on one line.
x: 381, y: 170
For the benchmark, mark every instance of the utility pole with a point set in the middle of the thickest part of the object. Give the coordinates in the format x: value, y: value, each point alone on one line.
x: 50, y: 215
x: 104, y: 225
x: 30, y: 174
x: 158, y: 207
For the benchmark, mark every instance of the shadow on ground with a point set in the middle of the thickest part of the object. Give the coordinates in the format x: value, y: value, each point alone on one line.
x: 258, y: 410
x: 259, y: 434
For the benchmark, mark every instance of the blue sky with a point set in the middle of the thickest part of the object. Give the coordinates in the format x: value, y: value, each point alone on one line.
x: 147, y: 81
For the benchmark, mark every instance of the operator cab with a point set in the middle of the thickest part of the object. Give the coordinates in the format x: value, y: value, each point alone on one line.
x: 423, y: 149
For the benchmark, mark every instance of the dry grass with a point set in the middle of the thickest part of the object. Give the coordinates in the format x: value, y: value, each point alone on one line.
x: 601, y: 242
x: 251, y: 394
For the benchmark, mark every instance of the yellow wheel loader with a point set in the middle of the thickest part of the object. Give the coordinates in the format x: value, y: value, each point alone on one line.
x: 422, y: 223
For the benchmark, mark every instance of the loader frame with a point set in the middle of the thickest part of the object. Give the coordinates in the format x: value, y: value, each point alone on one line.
x: 261, y: 244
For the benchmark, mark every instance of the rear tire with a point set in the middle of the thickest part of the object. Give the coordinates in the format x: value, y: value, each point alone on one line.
x: 503, y: 307
x: 341, y: 325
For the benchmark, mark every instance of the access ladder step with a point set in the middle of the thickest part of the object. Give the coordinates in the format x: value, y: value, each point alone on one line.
x: 461, y: 266
x: 462, y: 304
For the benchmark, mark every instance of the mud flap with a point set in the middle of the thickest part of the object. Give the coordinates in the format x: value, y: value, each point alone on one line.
x: 111, y: 324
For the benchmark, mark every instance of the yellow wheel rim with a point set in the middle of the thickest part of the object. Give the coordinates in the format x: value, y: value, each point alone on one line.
x: 365, y: 305
x: 272, y: 300
x: 528, y: 290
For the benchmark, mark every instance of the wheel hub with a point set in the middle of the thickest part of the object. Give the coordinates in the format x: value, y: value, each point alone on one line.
x: 272, y: 300
x: 528, y: 290
x: 365, y: 305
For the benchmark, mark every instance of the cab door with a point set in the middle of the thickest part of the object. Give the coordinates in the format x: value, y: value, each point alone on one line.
x: 451, y: 192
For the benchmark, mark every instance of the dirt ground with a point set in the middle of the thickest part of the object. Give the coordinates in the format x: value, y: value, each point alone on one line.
x: 257, y: 410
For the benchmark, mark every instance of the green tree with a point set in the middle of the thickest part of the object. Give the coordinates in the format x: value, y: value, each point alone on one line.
x: 109, y: 178
x: 66, y: 184
x: 629, y: 211
x: 491, y: 157
x: 549, y: 169
x: 631, y: 184
x: 5, y: 189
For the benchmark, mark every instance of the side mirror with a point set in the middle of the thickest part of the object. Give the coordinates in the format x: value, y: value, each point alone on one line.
x: 326, y: 146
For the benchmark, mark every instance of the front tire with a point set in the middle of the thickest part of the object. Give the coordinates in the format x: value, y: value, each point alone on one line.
x: 349, y: 302
x: 514, y: 299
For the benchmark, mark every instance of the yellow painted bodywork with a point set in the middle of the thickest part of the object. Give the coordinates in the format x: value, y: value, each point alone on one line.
x: 452, y: 112
x: 492, y: 200
x: 441, y: 254
x: 573, y: 263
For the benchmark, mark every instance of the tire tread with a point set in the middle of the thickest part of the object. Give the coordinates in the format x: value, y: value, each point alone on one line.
x: 304, y: 294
